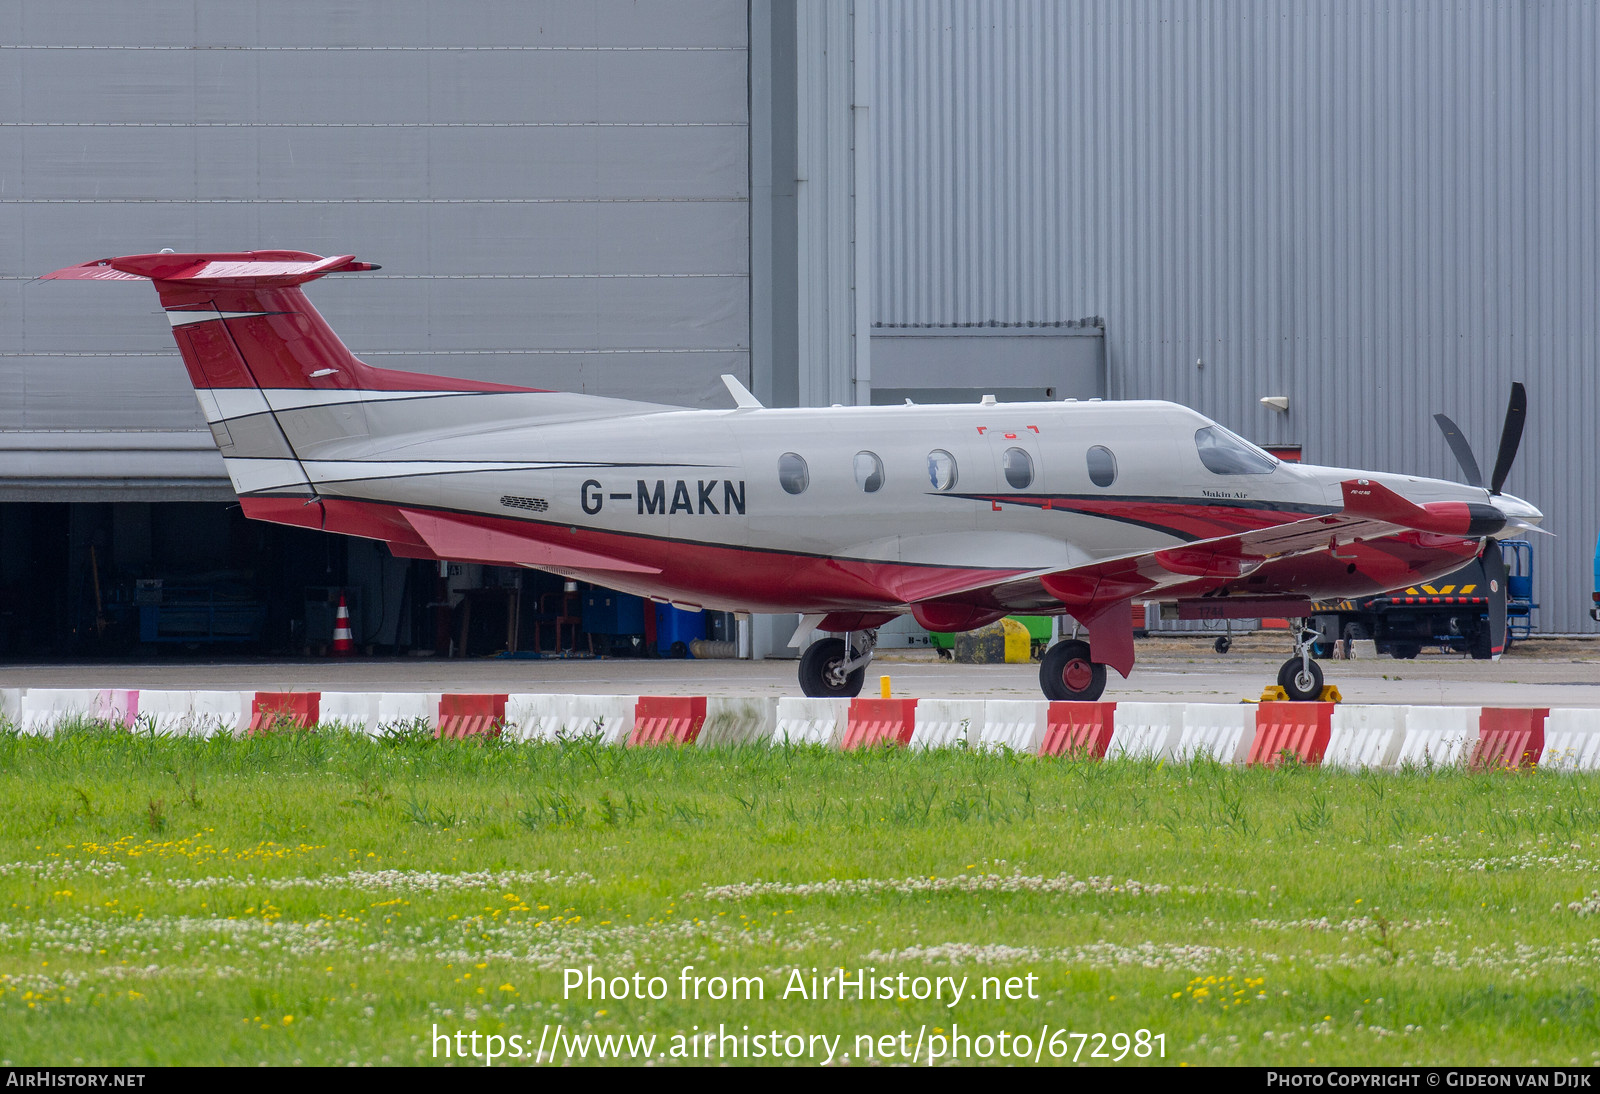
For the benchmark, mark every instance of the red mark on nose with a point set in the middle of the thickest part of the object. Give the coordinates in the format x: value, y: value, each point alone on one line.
x: 995, y: 506
x: 1011, y: 436
x: 982, y: 428
x: 1034, y: 428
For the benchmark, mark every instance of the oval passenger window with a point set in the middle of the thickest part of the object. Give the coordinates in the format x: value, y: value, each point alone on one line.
x: 1018, y: 468
x: 793, y: 474
x: 1102, y: 466
x: 869, y: 472
x: 941, y: 469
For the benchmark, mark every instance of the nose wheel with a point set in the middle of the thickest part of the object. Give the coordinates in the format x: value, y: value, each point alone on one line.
x: 1068, y: 673
x: 1301, y: 677
x: 835, y: 668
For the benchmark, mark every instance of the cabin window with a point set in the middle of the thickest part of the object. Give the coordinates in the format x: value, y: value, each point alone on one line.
x: 941, y: 469
x: 1102, y: 466
x: 869, y: 472
x: 1226, y: 453
x: 793, y: 474
x: 1018, y: 466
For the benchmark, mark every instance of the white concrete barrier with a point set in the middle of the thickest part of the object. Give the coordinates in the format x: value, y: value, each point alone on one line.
x: 353, y: 710
x: 212, y: 712
x: 42, y: 710
x: 738, y: 722
x: 1365, y: 736
x: 609, y: 717
x: 532, y: 717
x: 1145, y: 731
x: 1438, y: 736
x: 1017, y: 724
x: 1571, y: 740
x: 163, y: 712
x: 811, y: 721
x: 1222, y: 731
x: 406, y: 708
x: 10, y: 704
x: 948, y: 723
x: 528, y: 714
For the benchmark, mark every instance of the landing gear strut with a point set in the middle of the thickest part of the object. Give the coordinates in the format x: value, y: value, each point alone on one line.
x: 1301, y: 677
x: 835, y: 668
x: 1069, y: 673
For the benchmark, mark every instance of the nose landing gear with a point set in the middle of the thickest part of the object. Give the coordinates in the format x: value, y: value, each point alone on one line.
x: 1301, y: 677
x: 835, y: 668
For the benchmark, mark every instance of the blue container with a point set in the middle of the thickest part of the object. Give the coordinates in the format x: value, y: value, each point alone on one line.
x: 676, y: 628
x: 607, y: 612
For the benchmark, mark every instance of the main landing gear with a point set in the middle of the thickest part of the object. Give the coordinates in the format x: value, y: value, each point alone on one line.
x: 1069, y: 673
x: 835, y: 668
x: 1301, y: 677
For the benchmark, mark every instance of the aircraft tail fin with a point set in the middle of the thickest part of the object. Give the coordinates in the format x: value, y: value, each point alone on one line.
x: 241, y: 321
x: 256, y: 349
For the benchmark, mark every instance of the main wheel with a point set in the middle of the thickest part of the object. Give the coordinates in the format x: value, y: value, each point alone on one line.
x: 1301, y: 680
x: 1405, y: 651
x: 1068, y: 673
x: 820, y: 677
x: 1223, y: 644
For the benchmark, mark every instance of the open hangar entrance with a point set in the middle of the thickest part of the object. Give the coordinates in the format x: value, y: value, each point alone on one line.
x: 196, y: 579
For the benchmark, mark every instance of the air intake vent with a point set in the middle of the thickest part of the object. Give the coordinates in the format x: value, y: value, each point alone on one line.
x: 533, y: 505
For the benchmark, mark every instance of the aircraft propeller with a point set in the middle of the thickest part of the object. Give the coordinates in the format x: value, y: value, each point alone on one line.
x: 1510, y: 440
x: 1494, y: 563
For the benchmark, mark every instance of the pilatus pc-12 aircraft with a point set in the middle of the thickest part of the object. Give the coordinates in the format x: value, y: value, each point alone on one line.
x: 850, y: 516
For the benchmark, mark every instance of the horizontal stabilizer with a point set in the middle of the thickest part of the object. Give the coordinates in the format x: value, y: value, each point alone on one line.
x: 234, y: 269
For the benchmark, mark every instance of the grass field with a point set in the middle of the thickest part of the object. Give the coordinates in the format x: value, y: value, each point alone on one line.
x: 325, y: 898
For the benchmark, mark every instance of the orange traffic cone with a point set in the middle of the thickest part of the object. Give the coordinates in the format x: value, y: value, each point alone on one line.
x: 343, y: 642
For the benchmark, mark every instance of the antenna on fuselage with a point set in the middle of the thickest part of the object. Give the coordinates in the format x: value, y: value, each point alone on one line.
x: 741, y: 394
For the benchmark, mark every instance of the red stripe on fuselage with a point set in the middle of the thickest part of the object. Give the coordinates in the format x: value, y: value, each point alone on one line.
x: 759, y: 579
x: 1183, y: 519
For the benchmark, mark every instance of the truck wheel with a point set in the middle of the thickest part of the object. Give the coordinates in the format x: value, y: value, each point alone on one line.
x: 1479, y: 649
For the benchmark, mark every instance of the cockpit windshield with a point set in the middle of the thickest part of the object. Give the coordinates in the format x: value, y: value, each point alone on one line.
x: 1226, y: 453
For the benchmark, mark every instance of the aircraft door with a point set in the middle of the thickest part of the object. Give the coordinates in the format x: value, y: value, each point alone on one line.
x: 1017, y: 459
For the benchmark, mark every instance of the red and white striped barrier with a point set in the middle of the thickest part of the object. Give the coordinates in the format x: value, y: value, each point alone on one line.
x: 811, y: 721
x: 1438, y: 736
x: 1017, y: 724
x: 1220, y: 731
x: 738, y: 722
x: 1352, y: 737
x: 873, y: 722
x: 1510, y: 737
x: 1365, y: 736
x: 1572, y: 740
x: 948, y: 723
x: 1285, y: 731
x: 1146, y: 731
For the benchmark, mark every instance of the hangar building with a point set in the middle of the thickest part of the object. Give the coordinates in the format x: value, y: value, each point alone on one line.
x: 1374, y: 211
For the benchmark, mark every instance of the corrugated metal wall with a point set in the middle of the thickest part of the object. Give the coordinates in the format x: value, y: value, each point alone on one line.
x: 558, y: 193
x: 1379, y: 210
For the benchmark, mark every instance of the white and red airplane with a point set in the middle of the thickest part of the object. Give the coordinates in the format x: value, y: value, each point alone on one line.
x: 957, y: 514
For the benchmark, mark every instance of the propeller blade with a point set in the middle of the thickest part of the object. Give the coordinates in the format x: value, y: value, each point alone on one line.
x: 1463, y: 451
x: 1510, y: 437
x: 1494, y: 570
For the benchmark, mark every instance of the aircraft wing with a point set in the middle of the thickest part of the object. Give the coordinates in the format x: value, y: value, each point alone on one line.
x: 1099, y: 591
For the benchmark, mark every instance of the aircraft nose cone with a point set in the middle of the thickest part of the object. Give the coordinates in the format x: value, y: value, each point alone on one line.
x: 1517, y: 511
